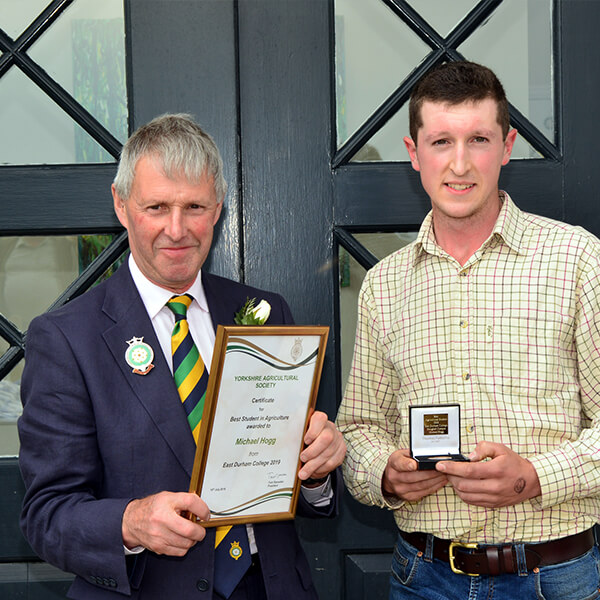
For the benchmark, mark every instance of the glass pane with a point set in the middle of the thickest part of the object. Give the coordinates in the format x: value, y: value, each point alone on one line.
x: 383, y: 244
x: 89, y: 248
x: 34, y: 271
x: 516, y: 42
x: 519, y: 34
x: 10, y: 410
x: 84, y: 51
x: 442, y: 15
x: 34, y: 129
x: 351, y: 278
x: 388, y: 143
x: 375, y: 51
x: 15, y: 15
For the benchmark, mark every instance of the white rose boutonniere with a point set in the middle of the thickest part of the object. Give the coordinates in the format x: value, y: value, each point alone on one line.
x: 250, y: 314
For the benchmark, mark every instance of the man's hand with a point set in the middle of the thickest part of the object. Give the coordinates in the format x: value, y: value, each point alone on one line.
x: 325, y: 448
x: 158, y: 523
x: 505, y: 480
x: 402, y: 479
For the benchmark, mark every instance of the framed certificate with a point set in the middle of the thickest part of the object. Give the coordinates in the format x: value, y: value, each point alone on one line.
x: 261, y: 393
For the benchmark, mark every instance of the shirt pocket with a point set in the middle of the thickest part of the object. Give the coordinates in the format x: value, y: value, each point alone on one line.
x: 533, y: 356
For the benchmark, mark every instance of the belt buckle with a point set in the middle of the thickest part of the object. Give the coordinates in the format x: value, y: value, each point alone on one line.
x: 454, y: 568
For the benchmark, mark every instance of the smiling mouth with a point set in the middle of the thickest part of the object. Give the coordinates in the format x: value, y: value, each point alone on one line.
x: 459, y: 187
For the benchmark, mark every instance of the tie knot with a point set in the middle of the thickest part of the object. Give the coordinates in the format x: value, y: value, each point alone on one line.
x: 179, y: 305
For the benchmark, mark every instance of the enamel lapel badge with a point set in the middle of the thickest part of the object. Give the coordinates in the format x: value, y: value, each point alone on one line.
x: 139, y: 356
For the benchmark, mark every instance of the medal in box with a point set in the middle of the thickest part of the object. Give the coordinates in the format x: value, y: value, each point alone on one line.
x: 435, y: 434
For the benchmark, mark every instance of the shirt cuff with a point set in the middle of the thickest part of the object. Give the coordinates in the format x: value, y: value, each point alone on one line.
x: 318, y: 496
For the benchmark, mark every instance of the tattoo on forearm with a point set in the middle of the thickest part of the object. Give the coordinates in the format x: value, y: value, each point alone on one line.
x: 519, y: 485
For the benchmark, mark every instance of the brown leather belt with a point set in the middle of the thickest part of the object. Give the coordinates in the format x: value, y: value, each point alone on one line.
x: 475, y: 559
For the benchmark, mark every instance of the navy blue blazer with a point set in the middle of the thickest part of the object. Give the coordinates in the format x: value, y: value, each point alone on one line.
x: 94, y: 436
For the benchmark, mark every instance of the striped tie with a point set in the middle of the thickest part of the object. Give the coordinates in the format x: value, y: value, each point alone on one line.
x: 232, y: 551
x: 191, y: 376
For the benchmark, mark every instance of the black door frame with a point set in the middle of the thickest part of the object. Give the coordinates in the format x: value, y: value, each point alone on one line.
x: 262, y: 84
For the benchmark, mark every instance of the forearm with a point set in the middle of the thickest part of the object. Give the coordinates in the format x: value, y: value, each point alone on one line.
x: 366, y: 459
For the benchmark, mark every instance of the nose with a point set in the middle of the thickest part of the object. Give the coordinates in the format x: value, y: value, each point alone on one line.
x: 175, y: 226
x: 460, y: 160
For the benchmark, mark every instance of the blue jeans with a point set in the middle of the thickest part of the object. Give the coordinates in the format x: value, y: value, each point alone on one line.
x: 416, y: 576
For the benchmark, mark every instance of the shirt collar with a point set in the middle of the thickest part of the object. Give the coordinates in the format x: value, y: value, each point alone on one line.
x: 510, y: 225
x: 509, y: 228
x: 155, y: 297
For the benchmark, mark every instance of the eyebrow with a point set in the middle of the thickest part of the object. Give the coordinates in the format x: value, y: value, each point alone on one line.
x: 445, y: 134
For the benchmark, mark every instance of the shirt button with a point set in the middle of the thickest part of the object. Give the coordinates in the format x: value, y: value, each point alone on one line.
x: 464, y: 323
x: 202, y: 585
x: 466, y: 376
x: 470, y: 428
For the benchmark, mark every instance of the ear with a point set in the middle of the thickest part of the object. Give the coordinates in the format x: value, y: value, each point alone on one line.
x: 509, y: 142
x: 217, y: 214
x: 119, y: 207
x: 412, y: 152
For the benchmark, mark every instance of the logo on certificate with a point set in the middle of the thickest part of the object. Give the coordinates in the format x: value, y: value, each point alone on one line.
x: 297, y: 349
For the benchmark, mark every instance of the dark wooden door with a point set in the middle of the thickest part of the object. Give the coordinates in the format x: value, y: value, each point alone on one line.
x: 259, y: 75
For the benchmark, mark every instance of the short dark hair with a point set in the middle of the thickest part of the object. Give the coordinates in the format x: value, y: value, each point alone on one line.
x: 454, y: 83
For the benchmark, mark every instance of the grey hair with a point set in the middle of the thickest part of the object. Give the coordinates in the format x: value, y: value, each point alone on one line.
x: 180, y: 146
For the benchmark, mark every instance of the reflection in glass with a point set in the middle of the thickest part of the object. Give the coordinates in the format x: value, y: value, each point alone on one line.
x: 443, y: 18
x: 351, y: 278
x: 388, y: 143
x: 84, y: 51
x: 10, y: 410
x: 375, y: 51
x: 383, y: 244
x: 34, y: 272
x: 516, y: 42
x: 34, y: 129
x: 15, y: 16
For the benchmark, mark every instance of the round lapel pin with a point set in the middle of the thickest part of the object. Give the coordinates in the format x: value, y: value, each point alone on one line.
x: 139, y: 356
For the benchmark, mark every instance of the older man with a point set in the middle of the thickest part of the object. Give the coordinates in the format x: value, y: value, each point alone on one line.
x: 107, y: 450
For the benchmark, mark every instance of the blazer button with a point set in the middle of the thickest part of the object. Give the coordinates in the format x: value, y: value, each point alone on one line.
x: 202, y: 585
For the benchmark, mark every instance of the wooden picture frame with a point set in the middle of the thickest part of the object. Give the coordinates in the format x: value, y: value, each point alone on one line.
x: 261, y: 392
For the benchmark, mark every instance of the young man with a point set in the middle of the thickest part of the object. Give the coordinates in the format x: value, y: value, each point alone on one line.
x: 107, y: 450
x: 492, y: 309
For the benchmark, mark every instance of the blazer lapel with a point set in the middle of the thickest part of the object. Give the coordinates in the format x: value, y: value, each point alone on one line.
x: 222, y: 311
x: 156, y: 390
